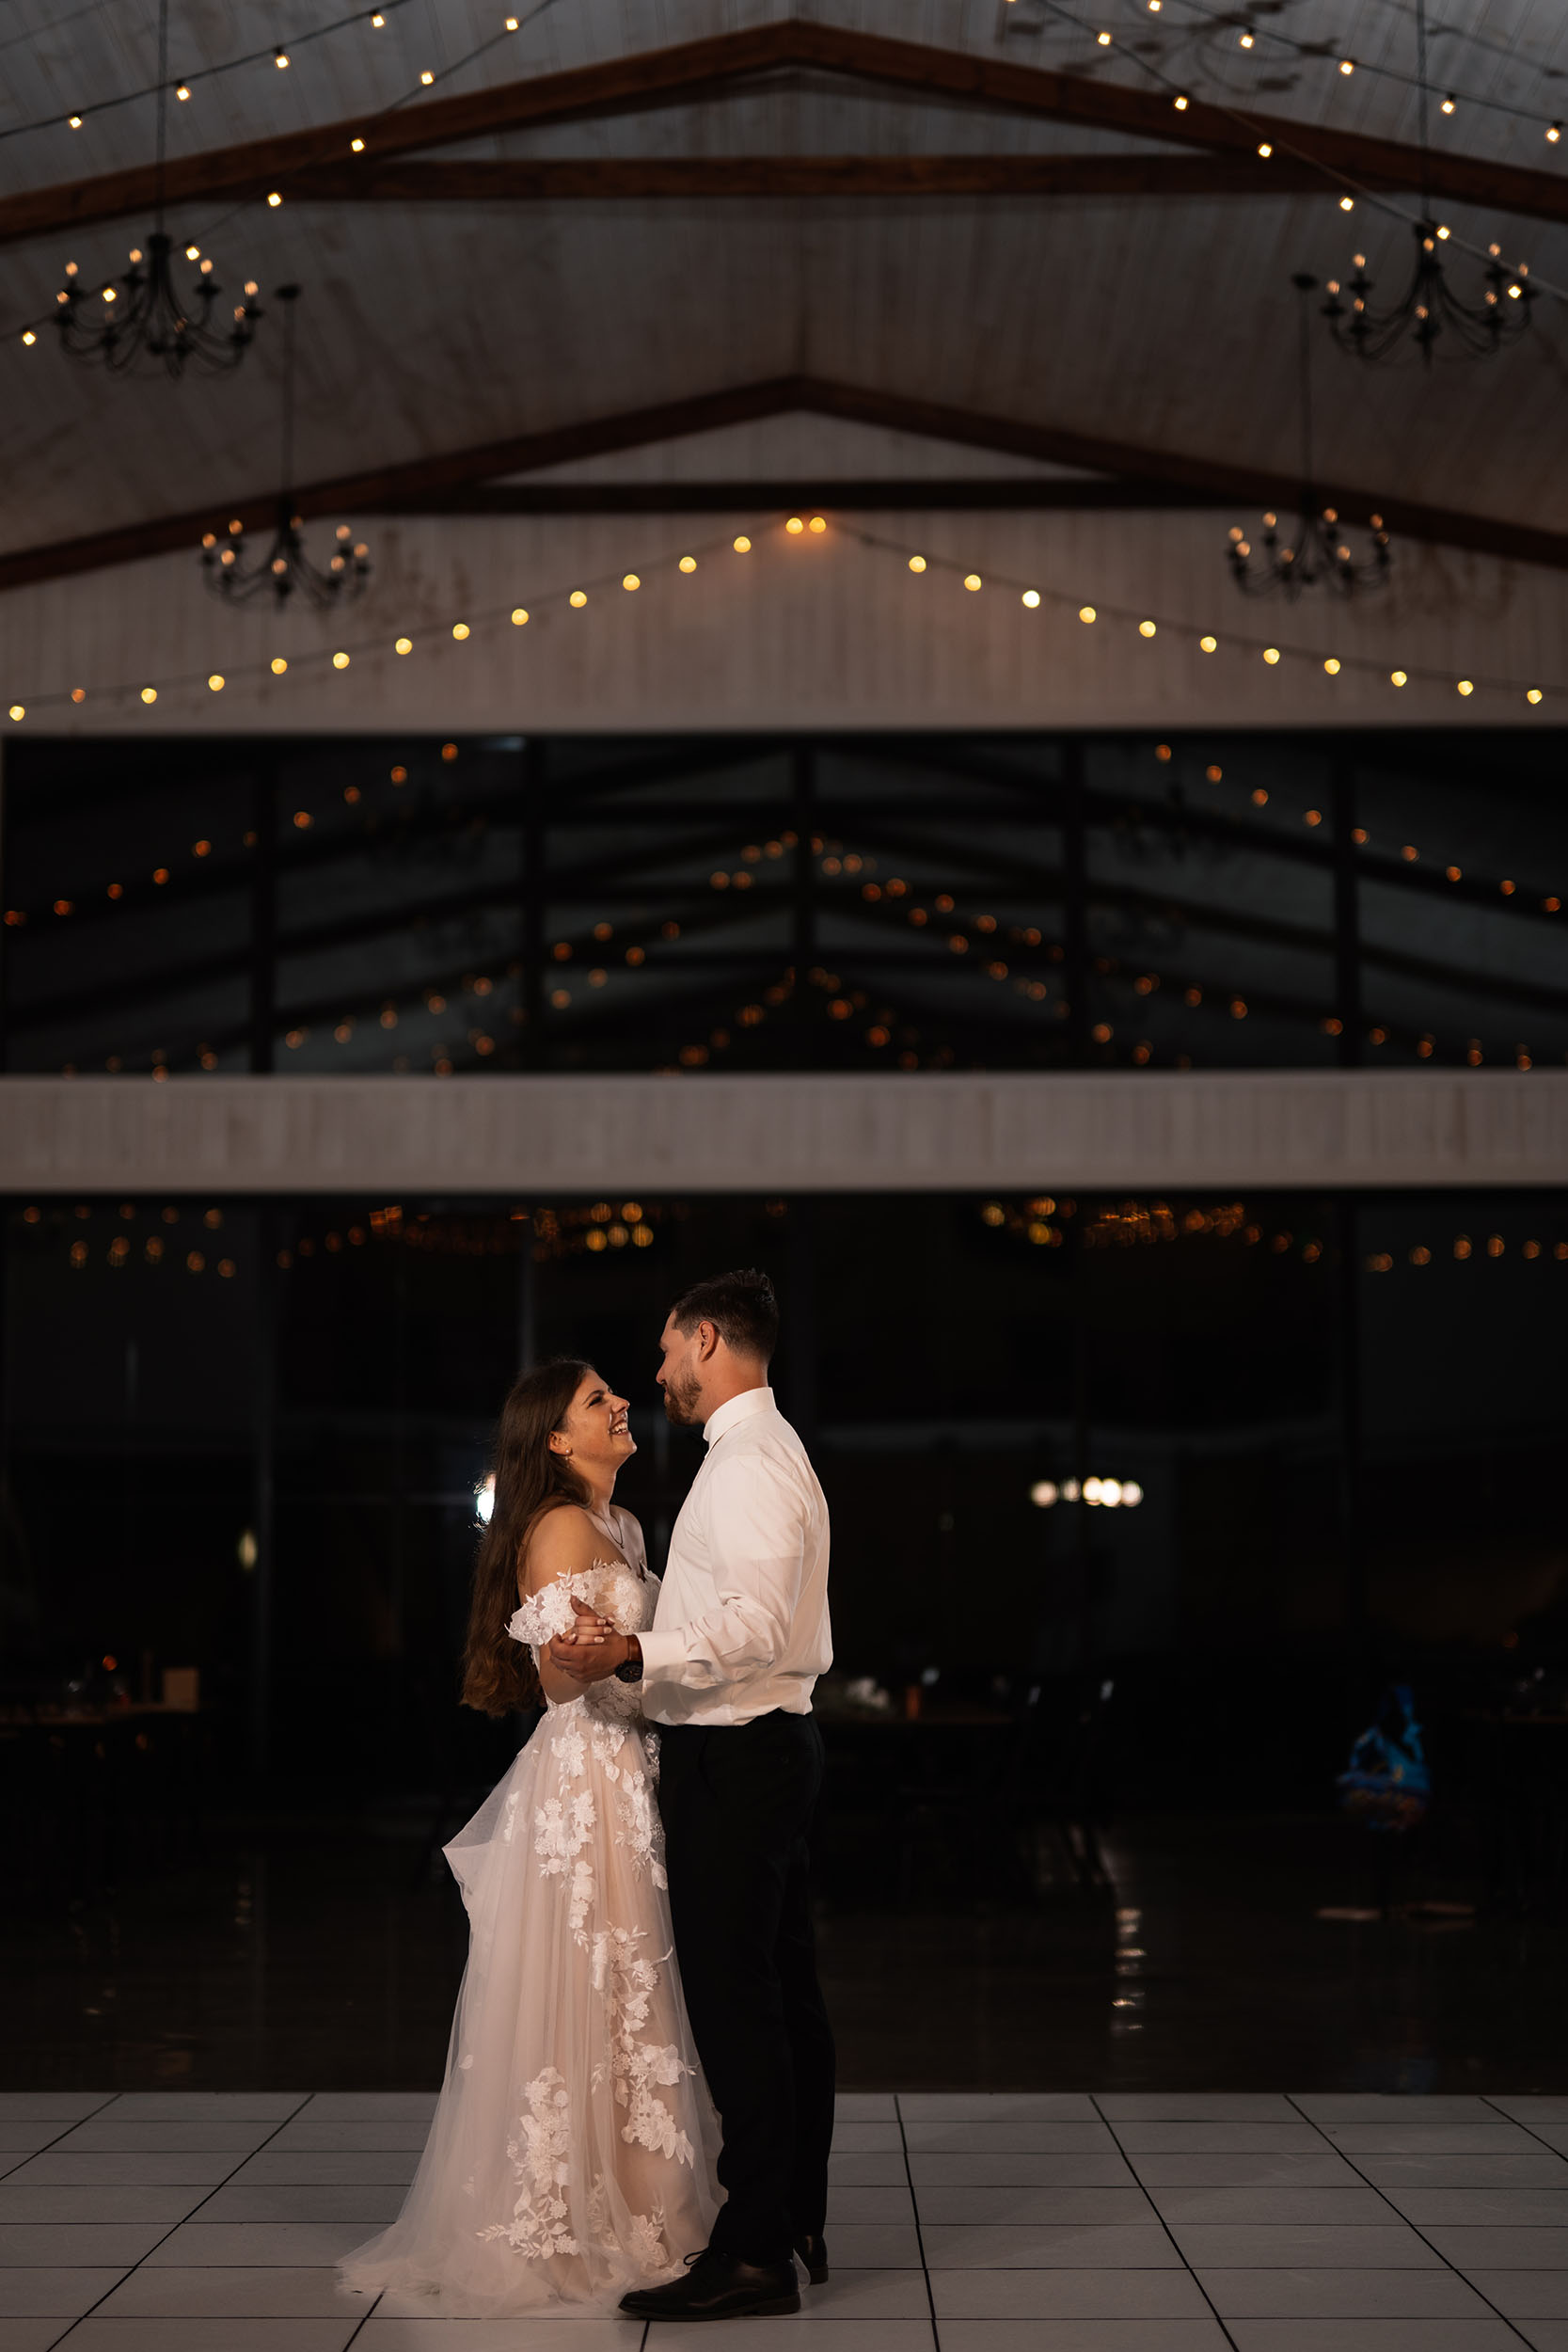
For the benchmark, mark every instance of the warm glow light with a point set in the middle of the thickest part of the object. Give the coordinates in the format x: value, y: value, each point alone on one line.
x: 1397, y: 677
x: 1265, y: 150
x: 1146, y: 629
x: 149, y: 693
x: 1466, y: 686
x: 631, y: 581
x: 1533, y: 694
x: 1209, y: 644
x: 819, y: 523
x: 687, y: 563
x: 1347, y: 203
x: 459, y: 630
x: 917, y: 562
x: 216, y: 682
x: 275, y: 199
x: 519, y: 616
x: 404, y: 644
x: 794, y: 526
x: 427, y: 77
x: 972, y: 581
x: 1181, y: 106
x: 1044, y: 1493
x: 577, y: 598
x: 484, y: 1500
x: 278, y: 665
x: 1332, y: 666
x: 340, y: 662
x: 743, y: 545
x: 356, y: 146
x: 1271, y: 654
x: 1031, y: 598
x: 28, y: 336
x: 1086, y: 612
x: 19, y: 711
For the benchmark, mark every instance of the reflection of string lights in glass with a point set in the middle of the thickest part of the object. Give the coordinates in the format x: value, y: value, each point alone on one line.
x: 1107, y: 1494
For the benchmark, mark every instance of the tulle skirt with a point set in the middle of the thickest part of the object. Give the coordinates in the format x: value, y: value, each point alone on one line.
x: 572, y: 2151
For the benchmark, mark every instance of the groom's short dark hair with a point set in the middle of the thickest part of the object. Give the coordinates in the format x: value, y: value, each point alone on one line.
x: 741, y: 1307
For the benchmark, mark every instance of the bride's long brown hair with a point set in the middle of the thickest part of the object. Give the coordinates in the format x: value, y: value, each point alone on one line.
x: 498, y: 1672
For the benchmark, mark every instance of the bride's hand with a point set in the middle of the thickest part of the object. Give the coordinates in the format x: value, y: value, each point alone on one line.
x: 581, y: 1653
x: 589, y: 1625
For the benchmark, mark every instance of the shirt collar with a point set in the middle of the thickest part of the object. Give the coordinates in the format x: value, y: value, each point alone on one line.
x: 738, y: 1408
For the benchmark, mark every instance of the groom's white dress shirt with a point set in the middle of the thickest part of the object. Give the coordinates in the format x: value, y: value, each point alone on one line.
x: 741, y: 1626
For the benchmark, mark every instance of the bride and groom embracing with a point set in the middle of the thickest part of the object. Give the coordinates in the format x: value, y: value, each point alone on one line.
x: 660, y: 1809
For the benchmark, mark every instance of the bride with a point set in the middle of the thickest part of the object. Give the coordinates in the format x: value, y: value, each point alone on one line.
x: 572, y: 2151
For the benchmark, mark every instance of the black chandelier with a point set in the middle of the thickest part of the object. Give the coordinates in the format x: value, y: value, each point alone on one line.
x: 286, y: 568
x: 150, y: 320
x: 1428, y: 309
x: 1319, y: 550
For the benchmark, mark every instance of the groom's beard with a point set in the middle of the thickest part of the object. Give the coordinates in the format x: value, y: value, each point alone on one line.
x: 682, y: 1401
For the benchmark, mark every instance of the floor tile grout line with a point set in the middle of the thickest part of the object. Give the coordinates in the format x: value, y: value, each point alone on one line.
x: 364, y: 2319
x: 1523, y: 2127
x: 914, y: 2207
x: 108, y: 2100
x: 1126, y: 2157
x: 243, y: 2159
x: 1451, y: 2267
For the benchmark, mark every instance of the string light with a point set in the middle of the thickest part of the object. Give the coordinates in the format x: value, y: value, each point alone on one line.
x: 1533, y: 694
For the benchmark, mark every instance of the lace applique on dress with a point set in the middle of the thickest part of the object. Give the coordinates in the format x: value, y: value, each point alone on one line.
x: 541, y: 2221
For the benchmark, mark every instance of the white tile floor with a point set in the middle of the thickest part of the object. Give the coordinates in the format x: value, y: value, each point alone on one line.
x: 1133, y: 2222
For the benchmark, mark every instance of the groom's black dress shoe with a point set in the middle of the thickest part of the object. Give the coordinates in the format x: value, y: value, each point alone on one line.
x: 717, y: 2287
x: 813, y: 2252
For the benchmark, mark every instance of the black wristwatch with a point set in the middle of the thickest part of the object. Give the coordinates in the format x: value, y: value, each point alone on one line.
x: 631, y: 1670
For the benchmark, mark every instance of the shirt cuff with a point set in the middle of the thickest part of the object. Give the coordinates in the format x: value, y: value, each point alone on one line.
x: 663, y: 1656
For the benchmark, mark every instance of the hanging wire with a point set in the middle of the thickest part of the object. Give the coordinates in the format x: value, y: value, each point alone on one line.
x: 286, y: 568
x: 1319, y: 550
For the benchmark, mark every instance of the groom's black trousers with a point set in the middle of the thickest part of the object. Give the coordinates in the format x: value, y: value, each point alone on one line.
x: 736, y: 1801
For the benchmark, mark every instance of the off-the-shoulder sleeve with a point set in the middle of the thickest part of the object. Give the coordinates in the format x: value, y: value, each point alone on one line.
x: 543, y: 1615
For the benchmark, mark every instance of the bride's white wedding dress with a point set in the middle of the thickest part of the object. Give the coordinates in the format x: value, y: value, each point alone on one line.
x: 571, y: 2155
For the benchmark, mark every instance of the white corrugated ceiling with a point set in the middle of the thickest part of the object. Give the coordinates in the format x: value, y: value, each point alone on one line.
x: 1164, y: 323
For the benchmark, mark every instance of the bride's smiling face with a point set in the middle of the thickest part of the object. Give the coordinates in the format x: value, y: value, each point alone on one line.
x: 594, y: 1433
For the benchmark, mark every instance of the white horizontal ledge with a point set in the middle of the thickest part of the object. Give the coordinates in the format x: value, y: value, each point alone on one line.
x: 703, y: 1132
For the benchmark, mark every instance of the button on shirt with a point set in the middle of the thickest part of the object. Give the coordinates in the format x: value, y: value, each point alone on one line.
x: 742, y: 1626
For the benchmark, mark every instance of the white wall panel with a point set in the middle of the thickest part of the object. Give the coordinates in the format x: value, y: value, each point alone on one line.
x: 802, y: 633
x: 708, y: 1133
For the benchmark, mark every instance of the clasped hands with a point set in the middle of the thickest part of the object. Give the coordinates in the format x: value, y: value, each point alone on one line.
x: 592, y: 1649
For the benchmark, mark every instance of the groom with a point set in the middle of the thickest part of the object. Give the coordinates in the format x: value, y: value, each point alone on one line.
x: 738, y: 1638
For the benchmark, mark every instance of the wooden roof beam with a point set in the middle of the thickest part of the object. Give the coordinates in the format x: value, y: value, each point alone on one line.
x: 690, y: 71
x: 423, y: 482
x: 639, y: 179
